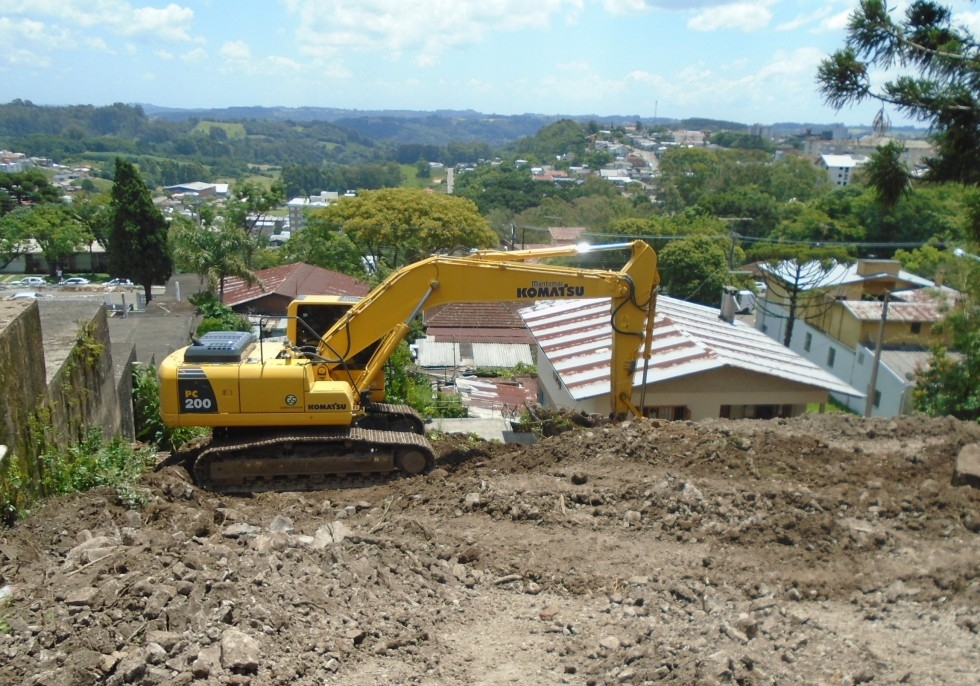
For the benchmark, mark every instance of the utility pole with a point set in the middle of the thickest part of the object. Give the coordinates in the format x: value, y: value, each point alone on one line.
x: 870, y: 401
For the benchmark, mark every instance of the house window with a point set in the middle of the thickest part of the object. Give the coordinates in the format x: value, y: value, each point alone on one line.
x: 916, y: 327
x: 877, y: 398
x: 861, y: 358
x: 807, y: 340
x: 671, y: 413
x: 831, y: 355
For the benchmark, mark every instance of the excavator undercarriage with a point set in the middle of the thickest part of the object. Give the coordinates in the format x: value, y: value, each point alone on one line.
x: 301, y: 459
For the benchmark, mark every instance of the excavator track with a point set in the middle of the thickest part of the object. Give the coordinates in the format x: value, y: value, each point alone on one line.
x: 303, y: 460
x: 392, y: 417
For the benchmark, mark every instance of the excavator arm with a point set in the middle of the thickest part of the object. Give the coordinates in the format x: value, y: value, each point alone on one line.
x: 494, y: 276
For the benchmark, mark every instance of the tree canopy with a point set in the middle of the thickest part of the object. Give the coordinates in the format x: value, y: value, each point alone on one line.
x: 138, y: 247
x: 395, y: 226
x: 939, y: 83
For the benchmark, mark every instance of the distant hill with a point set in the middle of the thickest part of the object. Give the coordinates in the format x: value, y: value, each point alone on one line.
x: 436, y: 127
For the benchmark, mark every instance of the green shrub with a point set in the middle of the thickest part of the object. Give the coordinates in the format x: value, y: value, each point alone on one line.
x: 93, y: 463
x: 216, y: 316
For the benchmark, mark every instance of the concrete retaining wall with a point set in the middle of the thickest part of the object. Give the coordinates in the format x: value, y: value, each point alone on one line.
x: 57, y: 381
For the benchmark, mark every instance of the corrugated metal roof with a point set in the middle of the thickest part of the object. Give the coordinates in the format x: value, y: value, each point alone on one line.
x: 812, y: 276
x: 482, y: 314
x: 576, y: 337
x: 497, y: 395
x: 437, y: 354
x: 870, y: 310
x: 915, y: 305
x: 905, y: 363
x: 472, y: 334
x: 501, y: 355
x: 486, y: 355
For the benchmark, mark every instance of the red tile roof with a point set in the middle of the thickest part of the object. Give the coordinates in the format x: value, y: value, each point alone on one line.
x: 566, y: 234
x: 483, y: 315
x: 291, y: 280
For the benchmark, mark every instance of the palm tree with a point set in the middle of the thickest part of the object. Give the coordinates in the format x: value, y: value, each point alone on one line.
x: 213, y: 253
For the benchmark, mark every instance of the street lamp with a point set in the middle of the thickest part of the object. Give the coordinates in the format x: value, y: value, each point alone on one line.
x: 960, y: 252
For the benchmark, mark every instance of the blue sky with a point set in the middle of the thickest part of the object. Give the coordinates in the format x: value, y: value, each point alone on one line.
x: 748, y: 61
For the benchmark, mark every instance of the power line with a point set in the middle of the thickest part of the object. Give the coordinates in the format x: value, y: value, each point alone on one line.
x: 756, y: 239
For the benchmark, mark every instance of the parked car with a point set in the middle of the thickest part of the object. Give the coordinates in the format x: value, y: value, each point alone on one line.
x: 118, y: 282
x: 27, y: 295
x: 74, y: 281
x: 29, y: 281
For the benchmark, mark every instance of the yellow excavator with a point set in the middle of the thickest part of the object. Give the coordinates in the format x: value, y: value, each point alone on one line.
x: 310, y: 411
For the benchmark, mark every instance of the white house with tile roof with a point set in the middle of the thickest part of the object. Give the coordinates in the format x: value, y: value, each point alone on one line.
x: 701, y: 366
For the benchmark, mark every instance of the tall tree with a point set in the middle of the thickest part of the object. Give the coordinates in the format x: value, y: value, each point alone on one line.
x: 250, y: 204
x: 940, y: 85
x: 25, y: 188
x: 950, y: 384
x: 793, y: 274
x: 138, y: 247
x: 695, y: 268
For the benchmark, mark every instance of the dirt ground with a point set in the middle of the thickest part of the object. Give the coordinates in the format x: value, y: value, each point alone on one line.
x: 818, y: 550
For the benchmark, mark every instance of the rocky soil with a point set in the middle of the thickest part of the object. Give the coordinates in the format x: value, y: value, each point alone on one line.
x: 820, y: 550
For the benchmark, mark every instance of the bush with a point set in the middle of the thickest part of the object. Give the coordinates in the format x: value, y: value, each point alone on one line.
x: 216, y: 315
x: 94, y: 463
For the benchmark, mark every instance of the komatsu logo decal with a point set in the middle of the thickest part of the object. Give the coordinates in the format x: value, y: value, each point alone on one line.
x: 327, y: 406
x: 550, y: 289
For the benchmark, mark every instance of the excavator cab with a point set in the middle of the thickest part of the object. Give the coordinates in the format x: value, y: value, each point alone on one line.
x: 309, y: 317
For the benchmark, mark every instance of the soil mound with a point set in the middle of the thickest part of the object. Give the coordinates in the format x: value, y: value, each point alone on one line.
x: 817, y: 550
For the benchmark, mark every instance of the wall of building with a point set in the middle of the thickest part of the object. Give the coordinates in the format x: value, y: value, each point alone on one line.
x: 852, y: 365
x: 704, y: 394
x: 55, y: 385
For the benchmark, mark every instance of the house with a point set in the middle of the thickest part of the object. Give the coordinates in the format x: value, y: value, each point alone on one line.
x: 701, y: 367
x: 840, y: 168
x: 465, y: 337
x: 841, y: 314
x: 277, y: 287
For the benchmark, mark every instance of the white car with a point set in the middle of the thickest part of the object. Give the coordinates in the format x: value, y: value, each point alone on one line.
x: 75, y: 281
x: 118, y: 282
x: 29, y: 281
x: 27, y: 295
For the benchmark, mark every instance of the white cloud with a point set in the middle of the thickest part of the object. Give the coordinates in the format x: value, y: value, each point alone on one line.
x: 238, y: 59
x: 236, y: 50
x: 817, y: 17
x: 169, y: 23
x: 621, y: 7
x: 836, y: 22
x: 13, y: 31
x: 969, y: 19
x: 195, y: 55
x: 743, y: 16
x: 424, y: 28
